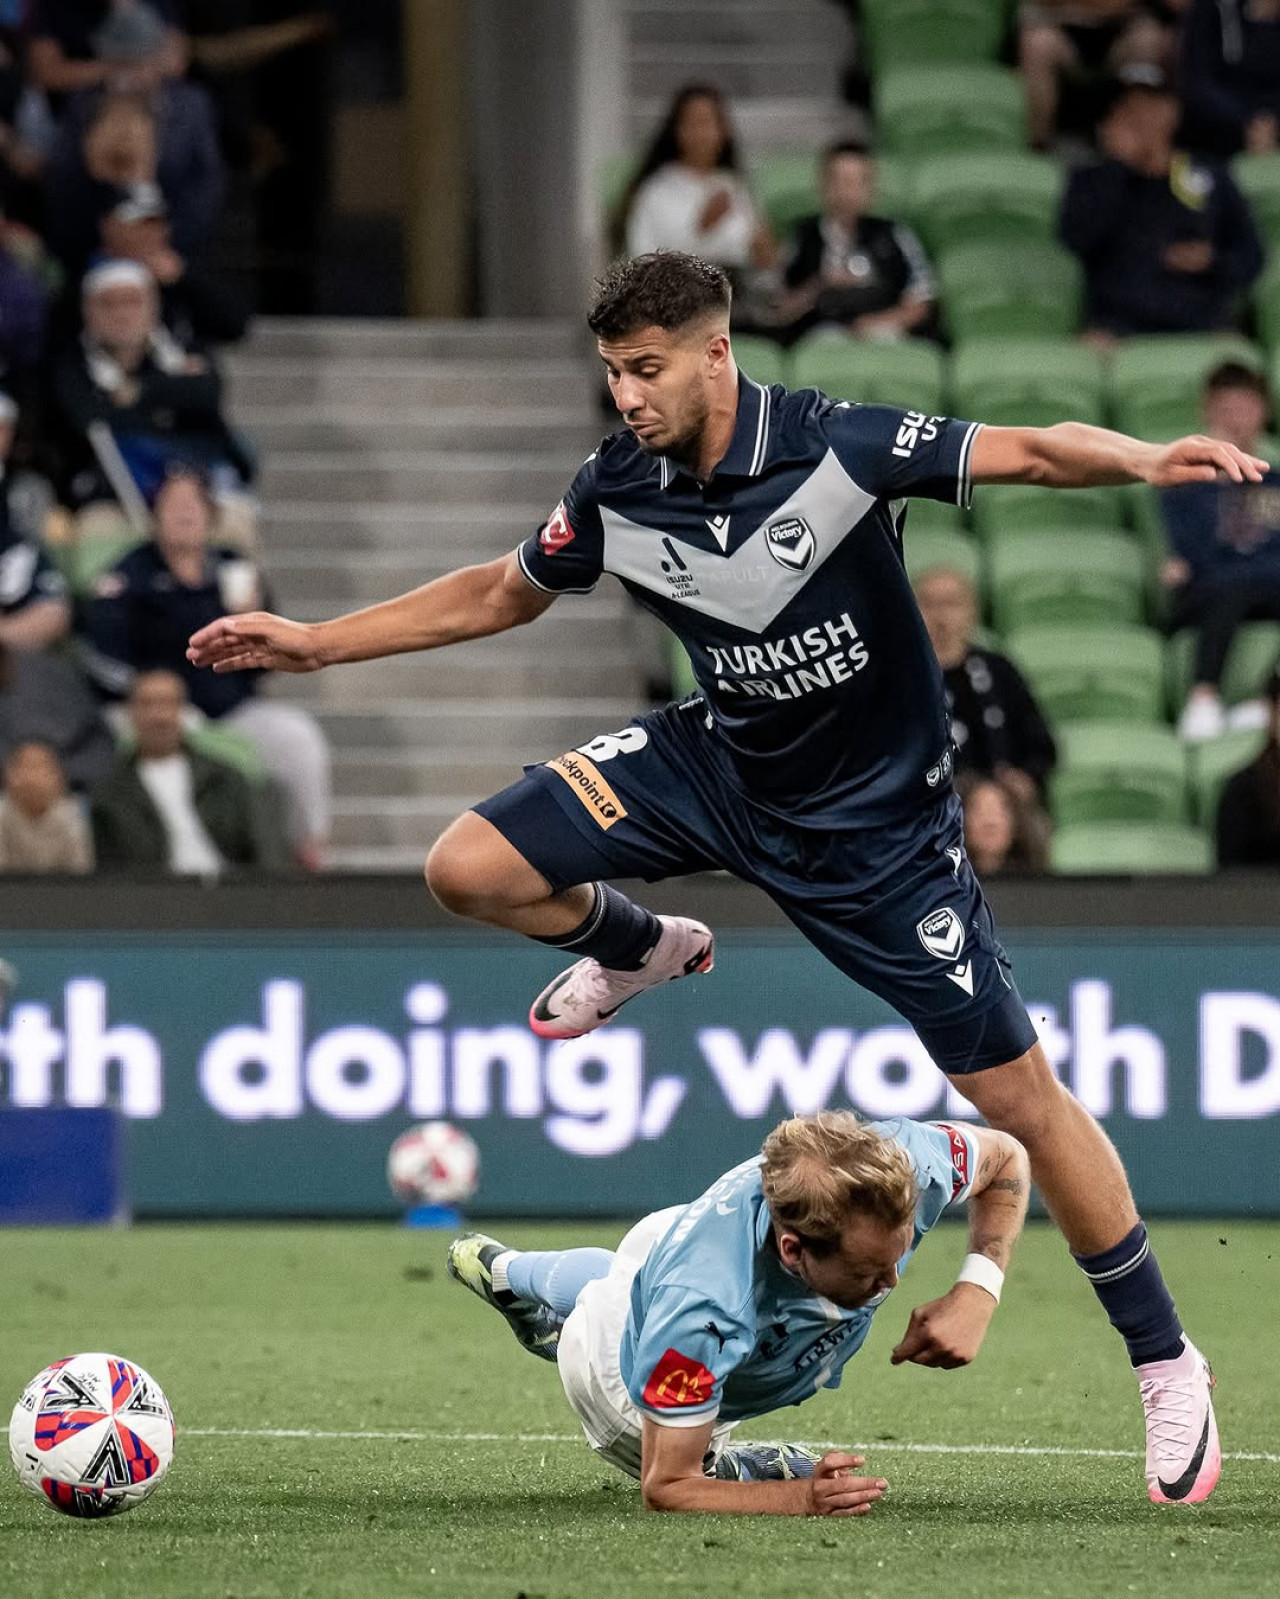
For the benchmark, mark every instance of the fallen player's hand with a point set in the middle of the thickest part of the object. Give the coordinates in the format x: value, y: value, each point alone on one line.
x: 834, y: 1491
x: 947, y: 1332
x: 256, y: 640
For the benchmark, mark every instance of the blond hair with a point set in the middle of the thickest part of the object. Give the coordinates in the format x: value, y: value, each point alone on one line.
x: 819, y: 1171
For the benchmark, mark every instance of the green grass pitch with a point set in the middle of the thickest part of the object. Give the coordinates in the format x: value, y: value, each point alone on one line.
x: 434, y: 1458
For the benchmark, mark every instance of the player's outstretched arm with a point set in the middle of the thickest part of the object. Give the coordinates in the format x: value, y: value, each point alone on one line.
x: 671, y: 1478
x: 1074, y: 455
x: 948, y: 1332
x: 470, y: 603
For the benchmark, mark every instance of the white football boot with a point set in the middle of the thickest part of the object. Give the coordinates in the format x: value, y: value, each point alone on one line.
x: 587, y: 995
x: 1184, y: 1458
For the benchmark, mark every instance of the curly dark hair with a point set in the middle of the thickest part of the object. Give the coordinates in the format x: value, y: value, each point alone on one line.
x: 667, y: 289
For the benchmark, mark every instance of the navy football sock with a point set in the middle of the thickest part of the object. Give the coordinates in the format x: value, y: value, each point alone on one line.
x: 1128, y: 1282
x: 618, y: 932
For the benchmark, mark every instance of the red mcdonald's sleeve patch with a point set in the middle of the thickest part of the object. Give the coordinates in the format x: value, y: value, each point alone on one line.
x: 679, y: 1380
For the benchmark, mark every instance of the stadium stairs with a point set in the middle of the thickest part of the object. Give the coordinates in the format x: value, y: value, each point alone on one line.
x: 393, y: 453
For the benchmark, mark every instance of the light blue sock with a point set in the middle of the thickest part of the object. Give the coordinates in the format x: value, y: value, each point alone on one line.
x: 555, y: 1277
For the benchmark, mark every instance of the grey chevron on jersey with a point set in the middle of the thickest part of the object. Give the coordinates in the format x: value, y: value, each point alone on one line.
x: 748, y: 588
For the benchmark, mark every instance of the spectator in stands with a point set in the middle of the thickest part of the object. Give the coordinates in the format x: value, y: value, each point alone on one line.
x: 997, y: 728
x: 34, y: 610
x: 1231, y: 75
x: 23, y: 314
x: 194, y: 306
x: 1223, y: 566
x: 146, y: 608
x: 689, y: 193
x: 1001, y: 835
x: 119, y: 146
x: 131, y: 389
x: 850, y: 269
x: 1056, y: 37
x: 42, y: 829
x: 167, y: 806
x: 1248, y: 821
x: 92, y: 44
x: 1167, y: 241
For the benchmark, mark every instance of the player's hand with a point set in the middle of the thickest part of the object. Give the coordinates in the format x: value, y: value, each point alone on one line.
x: 947, y: 1332
x: 256, y: 640
x: 1197, y: 459
x: 835, y: 1491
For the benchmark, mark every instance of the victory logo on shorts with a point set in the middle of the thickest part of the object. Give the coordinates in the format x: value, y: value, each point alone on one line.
x: 942, y: 933
x: 791, y: 543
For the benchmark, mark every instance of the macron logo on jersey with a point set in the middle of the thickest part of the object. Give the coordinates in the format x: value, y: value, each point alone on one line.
x: 556, y: 532
x: 678, y: 1380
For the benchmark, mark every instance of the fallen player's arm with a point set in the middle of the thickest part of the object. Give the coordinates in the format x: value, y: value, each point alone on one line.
x: 472, y: 602
x: 1074, y: 455
x: 948, y: 1332
x: 671, y: 1478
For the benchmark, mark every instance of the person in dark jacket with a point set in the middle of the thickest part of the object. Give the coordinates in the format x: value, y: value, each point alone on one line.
x: 167, y: 806
x: 1167, y: 241
x: 1248, y: 821
x: 1230, y: 75
x: 850, y: 269
x: 1223, y: 566
x: 996, y: 726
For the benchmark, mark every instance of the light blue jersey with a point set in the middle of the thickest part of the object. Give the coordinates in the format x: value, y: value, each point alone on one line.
x: 717, y: 1326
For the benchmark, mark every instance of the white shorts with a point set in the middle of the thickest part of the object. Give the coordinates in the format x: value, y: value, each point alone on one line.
x: 590, y: 1342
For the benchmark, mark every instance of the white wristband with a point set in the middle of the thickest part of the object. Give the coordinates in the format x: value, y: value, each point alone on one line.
x: 983, y: 1273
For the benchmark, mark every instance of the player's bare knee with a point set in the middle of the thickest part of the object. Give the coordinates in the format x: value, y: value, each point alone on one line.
x: 1021, y: 1098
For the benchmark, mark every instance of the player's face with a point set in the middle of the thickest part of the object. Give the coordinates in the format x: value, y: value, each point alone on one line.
x: 659, y: 383
x: 863, y: 1267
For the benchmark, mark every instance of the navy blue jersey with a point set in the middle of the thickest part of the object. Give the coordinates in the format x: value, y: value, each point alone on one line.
x: 783, y: 577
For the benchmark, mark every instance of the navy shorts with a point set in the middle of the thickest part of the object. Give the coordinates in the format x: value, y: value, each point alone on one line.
x: 896, y: 907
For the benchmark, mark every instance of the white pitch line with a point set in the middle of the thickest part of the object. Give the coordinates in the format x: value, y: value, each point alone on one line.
x: 409, y: 1436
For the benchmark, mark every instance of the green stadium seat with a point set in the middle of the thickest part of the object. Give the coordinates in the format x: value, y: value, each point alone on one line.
x: 929, y: 516
x: 1266, y: 307
x: 683, y: 681
x: 1016, y: 289
x: 786, y: 189
x: 985, y: 198
x: 1254, y: 652
x: 761, y: 359
x: 908, y: 372
x: 231, y: 747
x: 1031, y: 382
x: 927, y: 549
x: 1154, y: 383
x: 924, y: 109
x: 903, y: 32
x: 1259, y: 179
x: 1118, y: 772
x: 1025, y: 507
x: 1130, y: 848
x: 85, y: 559
x: 1092, y: 673
x: 1216, y: 760
x: 1063, y: 575
x: 613, y: 174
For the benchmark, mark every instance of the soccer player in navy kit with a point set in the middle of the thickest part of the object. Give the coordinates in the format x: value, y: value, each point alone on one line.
x: 765, y: 528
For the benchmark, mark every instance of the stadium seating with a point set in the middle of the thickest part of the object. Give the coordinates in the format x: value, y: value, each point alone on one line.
x: 1122, y: 848
x: 908, y: 373
x: 761, y: 359
x: 985, y: 198
x: 1010, y: 289
x: 786, y: 189
x: 1254, y: 651
x: 1213, y: 762
x: 929, y: 516
x: 1118, y: 772
x: 1053, y: 574
x: 1154, y: 383
x: 1266, y: 305
x: 1031, y: 382
x: 1093, y: 672
x: 924, y: 110
x: 903, y: 32
x: 1024, y: 507
x: 1259, y: 179
x: 927, y: 548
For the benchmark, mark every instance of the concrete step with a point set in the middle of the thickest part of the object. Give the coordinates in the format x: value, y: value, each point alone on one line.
x: 766, y: 25
x: 406, y: 823
x: 321, y: 380
x: 523, y: 728
x: 327, y: 577
x: 389, y: 859
x: 490, y: 338
x: 562, y: 434
x: 408, y: 476
x: 450, y: 536
x: 475, y: 670
x: 798, y: 67
x: 367, y: 770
